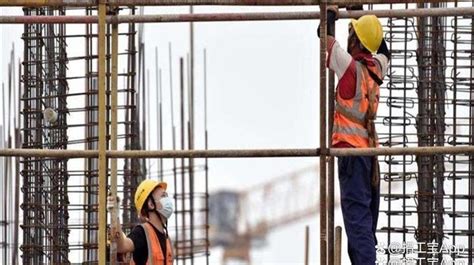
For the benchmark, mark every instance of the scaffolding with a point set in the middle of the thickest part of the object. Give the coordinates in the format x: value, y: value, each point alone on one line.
x: 425, y: 125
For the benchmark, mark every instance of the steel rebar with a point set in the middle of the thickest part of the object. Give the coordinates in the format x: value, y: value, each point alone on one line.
x: 322, y: 138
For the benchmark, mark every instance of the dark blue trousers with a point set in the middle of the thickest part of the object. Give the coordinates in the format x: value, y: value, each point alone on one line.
x: 360, y: 207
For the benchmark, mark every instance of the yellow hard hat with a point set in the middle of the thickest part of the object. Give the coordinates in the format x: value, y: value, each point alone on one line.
x: 369, y: 31
x: 144, y: 189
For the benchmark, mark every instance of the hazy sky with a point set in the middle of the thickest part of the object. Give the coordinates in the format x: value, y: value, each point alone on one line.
x: 263, y: 93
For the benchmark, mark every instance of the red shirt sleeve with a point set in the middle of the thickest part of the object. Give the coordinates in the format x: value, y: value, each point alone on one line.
x: 347, y: 84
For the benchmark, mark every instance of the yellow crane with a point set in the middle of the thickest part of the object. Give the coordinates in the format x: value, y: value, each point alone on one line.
x: 268, y: 206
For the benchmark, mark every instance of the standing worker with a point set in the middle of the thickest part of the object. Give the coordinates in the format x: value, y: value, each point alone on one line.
x: 360, y: 71
x: 149, y: 242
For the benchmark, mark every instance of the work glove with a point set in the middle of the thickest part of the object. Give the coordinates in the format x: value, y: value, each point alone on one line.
x: 354, y: 7
x: 383, y: 49
x: 116, y: 231
x: 333, y: 13
x: 111, y: 200
x: 333, y: 10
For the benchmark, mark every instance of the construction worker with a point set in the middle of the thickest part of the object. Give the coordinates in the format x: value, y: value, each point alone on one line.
x: 149, y: 242
x: 360, y: 70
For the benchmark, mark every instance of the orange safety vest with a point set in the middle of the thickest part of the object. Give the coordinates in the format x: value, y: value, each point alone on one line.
x: 354, y: 118
x: 155, y: 254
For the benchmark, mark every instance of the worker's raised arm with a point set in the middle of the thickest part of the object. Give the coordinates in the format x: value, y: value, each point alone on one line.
x: 337, y: 58
x: 124, y: 244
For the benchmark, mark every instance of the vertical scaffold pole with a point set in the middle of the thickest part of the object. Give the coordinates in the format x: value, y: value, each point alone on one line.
x: 102, y: 136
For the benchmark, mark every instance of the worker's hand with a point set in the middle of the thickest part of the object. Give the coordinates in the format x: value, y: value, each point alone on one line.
x: 383, y: 49
x: 334, y: 9
x: 111, y: 200
x: 115, y: 228
x: 333, y: 13
x: 116, y: 232
x: 354, y: 7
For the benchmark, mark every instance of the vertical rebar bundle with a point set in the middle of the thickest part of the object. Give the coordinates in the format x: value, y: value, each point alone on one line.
x: 431, y: 127
x: 45, y: 189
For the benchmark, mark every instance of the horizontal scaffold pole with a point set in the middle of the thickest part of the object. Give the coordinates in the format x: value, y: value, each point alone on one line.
x: 240, y: 153
x: 221, y: 17
x: 86, y: 3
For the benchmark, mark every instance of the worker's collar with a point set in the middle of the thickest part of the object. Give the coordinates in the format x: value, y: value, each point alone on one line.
x: 158, y: 224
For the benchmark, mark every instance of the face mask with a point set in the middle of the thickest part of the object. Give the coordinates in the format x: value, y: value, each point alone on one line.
x: 168, y: 207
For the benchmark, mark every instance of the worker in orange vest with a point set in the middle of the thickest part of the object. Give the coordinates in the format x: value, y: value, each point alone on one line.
x: 149, y: 242
x: 360, y: 70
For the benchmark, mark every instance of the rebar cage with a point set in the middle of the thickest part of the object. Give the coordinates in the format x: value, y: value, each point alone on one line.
x: 427, y: 101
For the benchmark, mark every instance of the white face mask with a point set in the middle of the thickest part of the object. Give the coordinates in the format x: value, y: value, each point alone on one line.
x: 167, y: 207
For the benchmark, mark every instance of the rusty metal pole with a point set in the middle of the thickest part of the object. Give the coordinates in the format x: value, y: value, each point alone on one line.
x: 330, y: 202
x: 240, y: 153
x: 206, y: 162
x: 90, y: 3
x: 183, y: 171
x: 102, y: 137
x: 322, y: 136
x: 113, y: 144
x: 306, y: 246
x: 4, y: 169
x: 222, y: 17
x: 191, y: 134
x: 17, y: 169
x: 256, y: 2
x: 173, y: 138
x: 338, y: 245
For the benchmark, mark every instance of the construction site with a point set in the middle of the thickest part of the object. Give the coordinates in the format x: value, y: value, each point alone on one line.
x: 231, y: 103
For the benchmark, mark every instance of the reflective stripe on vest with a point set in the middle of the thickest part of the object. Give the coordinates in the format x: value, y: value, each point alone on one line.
x: 355, y: 110
x: 155, y: 254
x: 351, y: 131
x: 351, y: 115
